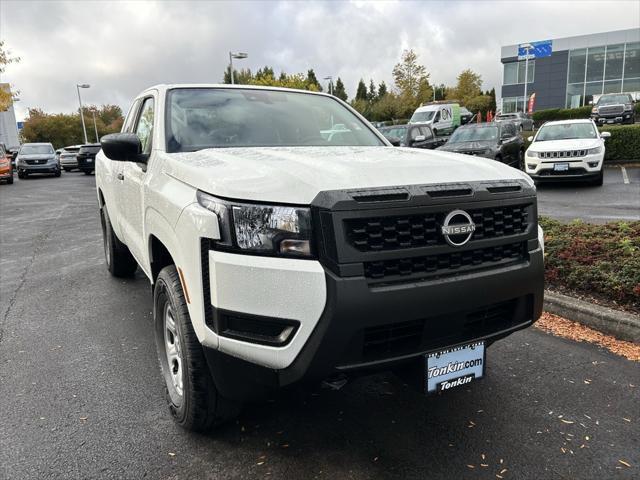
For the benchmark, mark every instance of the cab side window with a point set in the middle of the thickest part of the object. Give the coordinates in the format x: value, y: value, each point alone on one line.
x: 131, y: 117
x: 426, y: 131
x: 144, y: 128
x: 414, y: 133
x: 510, y: 130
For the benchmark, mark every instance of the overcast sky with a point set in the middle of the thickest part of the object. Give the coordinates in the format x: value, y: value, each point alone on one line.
x: 122, y: 47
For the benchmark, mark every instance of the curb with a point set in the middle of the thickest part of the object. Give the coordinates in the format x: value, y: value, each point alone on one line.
x: 622, y: 325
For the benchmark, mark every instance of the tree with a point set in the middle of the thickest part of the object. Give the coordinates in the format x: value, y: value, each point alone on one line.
x: 241, y: 77
x: 408, y: 74
x: 339, y: 91
x: 361, y: 92
x: 382, y: 90
x: 479, y: 103
x: 468, y: 86
x: 63, y: 129
x: 313, y: 81
x: 6, y: 97
x: 441, y: 91
x: 372, y: 95
x: 492, y: 105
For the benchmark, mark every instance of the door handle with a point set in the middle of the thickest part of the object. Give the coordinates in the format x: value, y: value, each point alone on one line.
x: 120, y: 176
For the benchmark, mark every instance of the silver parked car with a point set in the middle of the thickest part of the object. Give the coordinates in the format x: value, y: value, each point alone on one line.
x: 521, y: 120
x: 68, y: 158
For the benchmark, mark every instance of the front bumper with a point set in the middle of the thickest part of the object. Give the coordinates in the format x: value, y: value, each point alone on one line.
x: 625, y: 117
x: 44, y: 168
x: 589, y: 166
x: 360, y: 327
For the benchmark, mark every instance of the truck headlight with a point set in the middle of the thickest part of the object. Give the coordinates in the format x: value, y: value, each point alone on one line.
x: 593, y: 151
x: 532, y: 154
x: 261, y: 229
x: 594, y: 110
x: 628, y: 107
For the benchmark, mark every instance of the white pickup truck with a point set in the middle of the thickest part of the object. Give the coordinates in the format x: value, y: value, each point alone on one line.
x: 278, y: 255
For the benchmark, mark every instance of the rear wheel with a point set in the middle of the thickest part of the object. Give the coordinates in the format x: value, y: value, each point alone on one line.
x: 194, y: 401
x: 118, y: 258
x: 521, y: 160
x: 10, y: 179
x: 88, y: 172
x: 57, y: 173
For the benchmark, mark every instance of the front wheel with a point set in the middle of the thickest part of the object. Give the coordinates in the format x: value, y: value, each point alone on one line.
x: 521, y: 160
x: 10, y: 180
x: 599, y: 180
x: 194, y: 402
x: 118, y: 258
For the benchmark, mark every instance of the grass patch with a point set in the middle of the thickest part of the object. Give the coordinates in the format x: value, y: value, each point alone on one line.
x: 601, y: 261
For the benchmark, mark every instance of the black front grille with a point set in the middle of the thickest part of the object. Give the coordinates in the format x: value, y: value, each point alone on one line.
x: 572, y: 171
x: 412, y: 231
x: 395, y: 339
x: 445, y: 263
x: 564, y: 154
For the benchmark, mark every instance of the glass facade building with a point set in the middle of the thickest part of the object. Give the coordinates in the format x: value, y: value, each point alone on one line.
x: 579, y: 70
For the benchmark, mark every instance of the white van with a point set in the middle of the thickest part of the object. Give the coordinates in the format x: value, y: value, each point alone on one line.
x: 443, y: 118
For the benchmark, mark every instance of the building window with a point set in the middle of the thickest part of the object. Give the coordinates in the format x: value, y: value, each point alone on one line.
x: 613, y: 67
x: 514, y: 72
x: 606, y: 69
x: 512, y: 104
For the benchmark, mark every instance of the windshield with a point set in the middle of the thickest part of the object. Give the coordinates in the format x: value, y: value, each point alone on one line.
x: 566, y: 131
x: 397, y: 132
x: 422, y: 117
x: 95, y: 149
x: 36, y: 150
x: 199, y: 118
x: 474, y: 134
x: 613, y: 99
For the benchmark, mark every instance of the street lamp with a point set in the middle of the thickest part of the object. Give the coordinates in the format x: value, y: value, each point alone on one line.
x: 527, y: 48
x: 84, y: 129
x: 239, y: 56
x: 330, y: 78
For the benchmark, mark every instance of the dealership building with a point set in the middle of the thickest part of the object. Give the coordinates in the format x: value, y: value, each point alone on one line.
x: 570, y: 72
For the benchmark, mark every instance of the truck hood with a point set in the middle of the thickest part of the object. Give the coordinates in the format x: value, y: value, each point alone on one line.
x: 297, y: 174
x: 562, y: 145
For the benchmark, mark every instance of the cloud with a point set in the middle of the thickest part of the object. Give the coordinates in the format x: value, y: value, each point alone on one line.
x: 121, y: 48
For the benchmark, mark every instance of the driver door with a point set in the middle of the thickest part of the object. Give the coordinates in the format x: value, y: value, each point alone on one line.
x: 132, y: 180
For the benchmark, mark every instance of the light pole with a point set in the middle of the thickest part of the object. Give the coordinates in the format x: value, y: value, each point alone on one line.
x: 239, y: 56
x: 527, y: 48
x: 95, y: 127
x: 84, y: 128
x: 330, y: 78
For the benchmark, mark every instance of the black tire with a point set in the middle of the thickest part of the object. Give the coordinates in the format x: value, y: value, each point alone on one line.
x: 498, y: 158
x: 88, y: 172
x: 66, y: 169
x: 198, y: 406
x: 57, y: 174
x: 118, y: 258
x: 599, y: 180
x: 10, y: 180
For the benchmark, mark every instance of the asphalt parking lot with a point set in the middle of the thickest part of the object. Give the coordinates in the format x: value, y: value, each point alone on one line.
x: 82, y: 396
x: 617, y: 199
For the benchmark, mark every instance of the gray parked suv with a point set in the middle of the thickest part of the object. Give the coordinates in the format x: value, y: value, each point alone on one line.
x: 37, y: 158
x: 522, y: 121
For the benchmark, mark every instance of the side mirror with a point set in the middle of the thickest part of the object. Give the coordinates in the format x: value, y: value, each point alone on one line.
x: 122, y: 147
x: 530, y: 138
x: 395, y: 141
x: 419, y: 138
x: 605, y: 134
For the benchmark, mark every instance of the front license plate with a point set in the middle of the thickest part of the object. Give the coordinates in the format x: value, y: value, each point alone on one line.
x: 454, y: 367
x: 560, y: 167
x: 89, y: 160
x: 610, y: 121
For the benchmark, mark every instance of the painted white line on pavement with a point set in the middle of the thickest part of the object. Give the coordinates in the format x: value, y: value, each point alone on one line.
x: 625, y: 177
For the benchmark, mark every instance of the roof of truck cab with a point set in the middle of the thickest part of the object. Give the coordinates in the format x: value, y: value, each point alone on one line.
x: 165, y: 87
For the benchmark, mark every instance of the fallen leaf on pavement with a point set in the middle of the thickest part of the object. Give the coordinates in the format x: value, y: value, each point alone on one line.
x: 624, y: 463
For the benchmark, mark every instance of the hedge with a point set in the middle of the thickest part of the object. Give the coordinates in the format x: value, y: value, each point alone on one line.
x: 550, y: 114
x: 601, y: 261
x: 624, y: 143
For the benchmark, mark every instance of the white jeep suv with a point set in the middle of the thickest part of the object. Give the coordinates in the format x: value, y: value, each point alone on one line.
x: 567, y: 150
x: 279, y: 255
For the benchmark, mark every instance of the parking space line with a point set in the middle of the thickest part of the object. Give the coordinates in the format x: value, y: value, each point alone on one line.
x: 625, y: 177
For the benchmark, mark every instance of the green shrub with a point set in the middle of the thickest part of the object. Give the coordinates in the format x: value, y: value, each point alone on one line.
x: 624, y: 143
x: 594, y: 260
x: 542, y: 116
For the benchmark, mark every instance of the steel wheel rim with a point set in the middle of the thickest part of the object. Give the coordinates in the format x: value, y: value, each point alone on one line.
x: 173, y: 351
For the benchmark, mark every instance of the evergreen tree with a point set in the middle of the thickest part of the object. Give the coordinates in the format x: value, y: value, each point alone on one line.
x: 361, y: 92
x: 382, y: 90
x: 372, y: 95
x: 312, y: 82
x: 339, y: 90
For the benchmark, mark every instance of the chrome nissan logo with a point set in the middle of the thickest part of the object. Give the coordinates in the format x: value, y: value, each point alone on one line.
x: 458, y: 228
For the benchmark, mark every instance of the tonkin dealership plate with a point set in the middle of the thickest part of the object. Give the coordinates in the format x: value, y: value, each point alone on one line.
x: 454, y: 367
